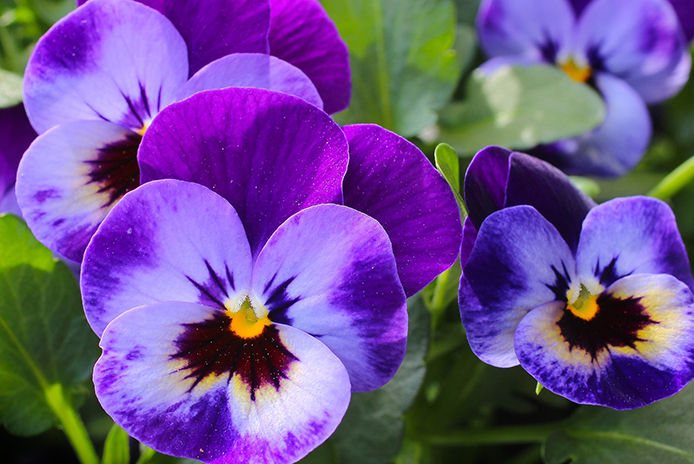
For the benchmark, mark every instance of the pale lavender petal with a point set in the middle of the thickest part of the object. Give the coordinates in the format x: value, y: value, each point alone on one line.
x: 269, y: 154
x: 108, y: 60
x: 175, y: 377
x: 392, y: 181
x: 489, y: 67
x: 329, y: 270
x: 635, y: 235
x: 16, y: 134
x: 519, y: 262
x: 302, y: 34
x: 253, y: 70
x: 166, y: 241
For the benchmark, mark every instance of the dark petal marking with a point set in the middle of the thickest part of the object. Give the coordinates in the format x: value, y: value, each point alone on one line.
x: 608, y: 275
x: 216, y: 289
x: 116, y: 170
x: 279, y: 301
x: 617, y: 323
x: 211, y: 348
x: 561, y: 283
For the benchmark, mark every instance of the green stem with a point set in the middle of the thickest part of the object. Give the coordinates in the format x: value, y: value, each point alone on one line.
x: 496, y: 436
x: 675, y: 181
x: 72, y: 424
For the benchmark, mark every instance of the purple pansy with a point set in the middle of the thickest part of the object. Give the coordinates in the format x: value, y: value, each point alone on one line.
x: 595, y: 302
x: 96, y: 80
x: 15, y: 136
x: 639, y: 60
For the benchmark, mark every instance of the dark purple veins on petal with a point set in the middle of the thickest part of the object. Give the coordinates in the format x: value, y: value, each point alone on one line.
x: 216, y: 289
x: 116, y: 170
x: 278, y: 301
x: 211, y: 348
x: 617, y: 323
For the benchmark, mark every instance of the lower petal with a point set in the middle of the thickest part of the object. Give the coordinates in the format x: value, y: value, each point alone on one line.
x: 182, y: 385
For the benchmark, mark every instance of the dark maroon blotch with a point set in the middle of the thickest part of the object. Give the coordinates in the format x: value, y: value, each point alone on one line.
x: 116, y: 170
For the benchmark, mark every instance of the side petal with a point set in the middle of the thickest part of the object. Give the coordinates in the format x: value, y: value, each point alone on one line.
x: 330, y: 271
x: 646, y: 47
x: 16, y: 134
x: 253, y: 70
x: 302, y: 33
x: 70, y: 178
x: 108, y: 60
x: 540, y: 29
x: 392, y: 181
x: 269, y: 154
x: 617, y: 145
x: 485, y: 183
x: 148, y: 381
x: 519, y: 262
x: 635, y: 235
x: 644, y: 346
x: 166, y: 241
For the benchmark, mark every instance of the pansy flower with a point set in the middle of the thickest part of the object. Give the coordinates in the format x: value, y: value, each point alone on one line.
x: 15, y: 136
x: 595, y: 303
x: 99, y: 76
x: 235, y: 320
x: 639, y: 60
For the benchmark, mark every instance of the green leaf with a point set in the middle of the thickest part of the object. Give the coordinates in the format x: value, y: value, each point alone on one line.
x: 10, y: 89
x: 520, y: 107
x: 659, y: 433
x: 117, y: 447
x: 45, y: 341
x: 586, y: 185
x: 447, y: 162
x: 404, y: 65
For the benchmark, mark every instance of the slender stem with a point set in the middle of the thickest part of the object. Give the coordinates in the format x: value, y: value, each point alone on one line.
x: 72, y: 424
x: 537, y: 433
x: 675, y: 181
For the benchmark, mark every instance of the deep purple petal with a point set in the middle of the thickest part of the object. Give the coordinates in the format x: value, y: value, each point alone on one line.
x: 166, y: 241
x: 540, y: 29
x: 302, y: 33
x: 70, y: 178
x: 269, y: 154
x: 685, y: 11
x: 329, y: 270
x: 635, y: 235
x: 519, y: 262
x: 392, y: 181
x: 485, y: 183
x: 108, y: 60
x: 617, y: 145
x: 270, y: 399
x: 579, y: 5
x: 16, y: 134
x: 638, y: 351
x: 646, y: 47
x: 253, y: 70
x: 469, y: 237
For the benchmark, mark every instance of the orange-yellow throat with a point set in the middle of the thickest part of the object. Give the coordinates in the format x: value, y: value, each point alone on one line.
x: 575, y: 72
x: 245, y: 322
x: 585, y: 306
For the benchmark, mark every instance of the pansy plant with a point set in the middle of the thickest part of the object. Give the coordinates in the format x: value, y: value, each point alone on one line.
x: 99, y: 76
x: 237, y: 310
x: 595, y: 302
x: 639, y: 60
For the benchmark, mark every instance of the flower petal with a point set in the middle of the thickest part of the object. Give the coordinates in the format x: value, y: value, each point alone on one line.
x: 253, y: 70
x: 108, y: 60
x: 16, y: 134
x: 639, y: 352
x: 617, y: 145
x: 685, y: 11
x: 646, y: 47
x: 540, y: 29
x: 166, y: 241
x: 485, y: 183
x: 70, y: 178
x: 636, y: 235
x: 302, y: 34
x: 148, y: 380
x: 329, y: 270
x: 392, y: 181
x: 519, y: 262
x: 269, y: 154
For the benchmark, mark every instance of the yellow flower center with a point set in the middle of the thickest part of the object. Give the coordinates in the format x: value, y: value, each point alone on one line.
x: 585, y: 306
x: 576, y: 72
x: 245, y: 322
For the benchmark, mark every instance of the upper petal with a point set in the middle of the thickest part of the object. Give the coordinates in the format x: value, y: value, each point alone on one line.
x: 485, y: 183
x: 519, y: 262
x: 269, y: 154
x: 253, y: 70
x: 685, y: 11
x: 165, y: 241
x: 636, y: 235
x: 16, y: 134
x: 329, y: 270
x: 392, y: 181
x: 540, y: 29
x: 302, y: 34
x: 646, y: 47
x: 108, y: 60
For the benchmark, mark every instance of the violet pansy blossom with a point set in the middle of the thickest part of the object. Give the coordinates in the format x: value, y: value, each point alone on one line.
x: 595, y: 302
x: 100, y: 75
x: 641, y: 59
x: 236, y: 317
